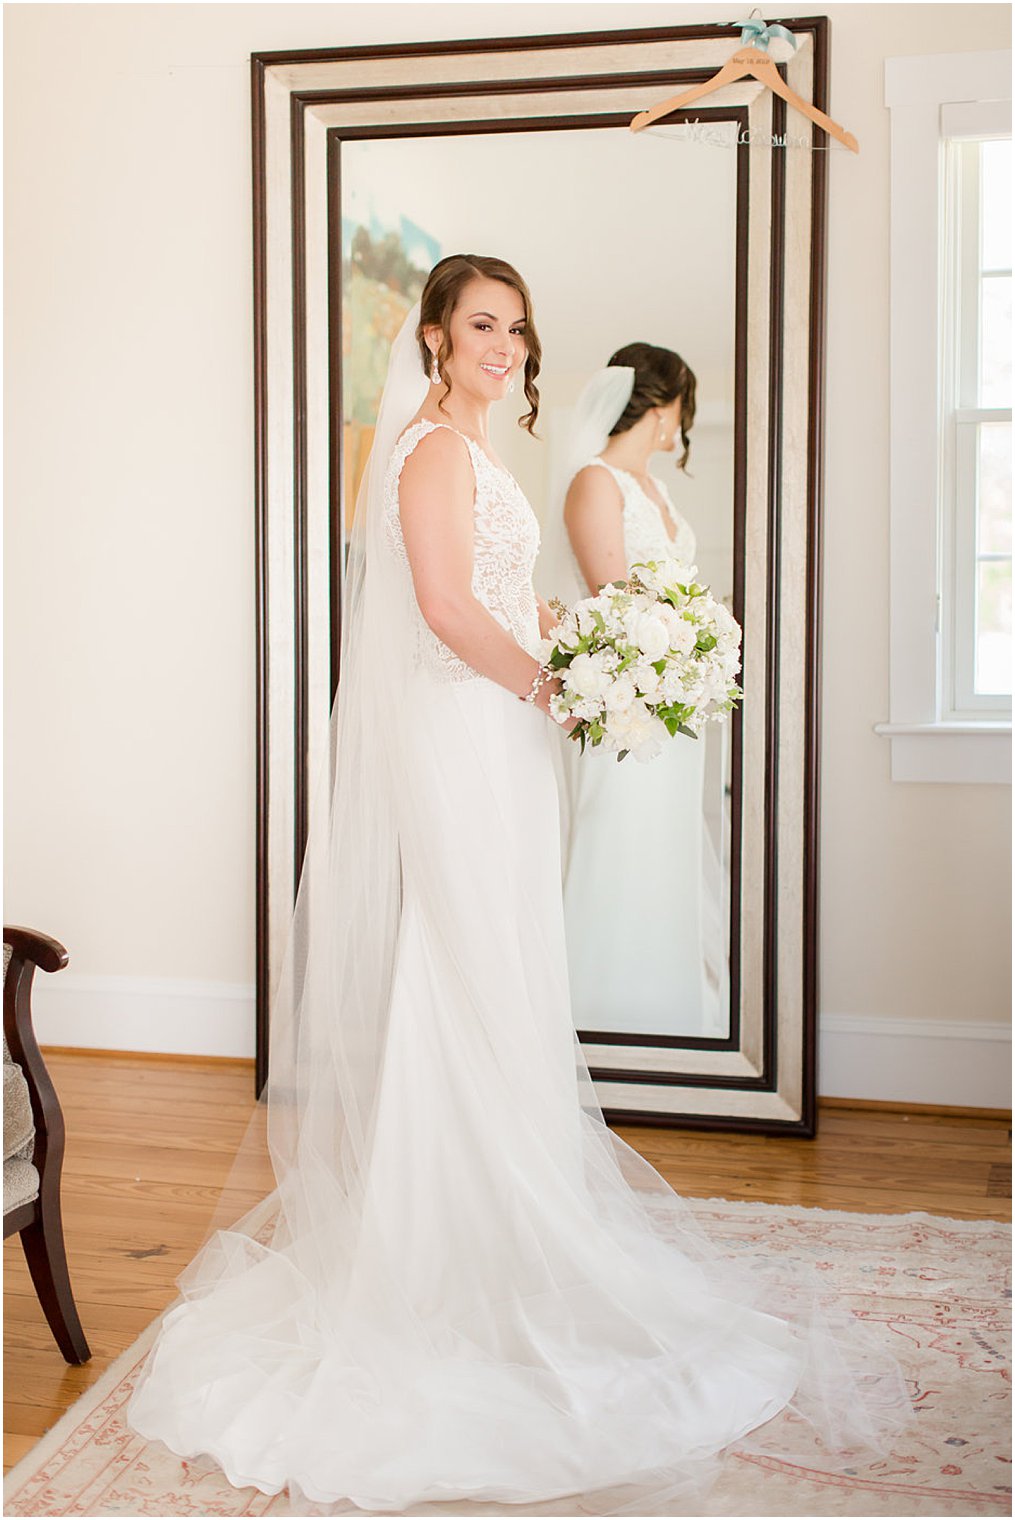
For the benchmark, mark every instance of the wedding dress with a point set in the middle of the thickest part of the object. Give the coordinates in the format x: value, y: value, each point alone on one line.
x: 643, y: 898
x: 470, y: 1291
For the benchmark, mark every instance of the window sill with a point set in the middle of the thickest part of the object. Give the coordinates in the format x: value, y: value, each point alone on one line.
x: 956, y: 751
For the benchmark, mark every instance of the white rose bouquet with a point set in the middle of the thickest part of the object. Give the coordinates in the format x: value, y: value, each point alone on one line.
x: 645, y: 659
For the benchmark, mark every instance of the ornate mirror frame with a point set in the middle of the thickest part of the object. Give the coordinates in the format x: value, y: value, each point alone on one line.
x: 305, y: 104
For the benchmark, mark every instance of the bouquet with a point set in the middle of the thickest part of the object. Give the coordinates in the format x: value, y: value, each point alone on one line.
x: 645, y: 659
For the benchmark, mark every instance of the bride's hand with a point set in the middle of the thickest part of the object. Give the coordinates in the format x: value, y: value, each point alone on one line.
x: 550, y: 689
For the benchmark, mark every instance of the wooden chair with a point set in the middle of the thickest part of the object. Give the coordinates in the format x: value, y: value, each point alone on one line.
x: 34, y: 1140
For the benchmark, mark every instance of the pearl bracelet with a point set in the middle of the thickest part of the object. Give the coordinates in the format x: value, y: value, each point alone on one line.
x: 543, y: 674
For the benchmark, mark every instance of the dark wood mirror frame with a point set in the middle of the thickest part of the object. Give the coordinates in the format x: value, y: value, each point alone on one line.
x: 305, y: 104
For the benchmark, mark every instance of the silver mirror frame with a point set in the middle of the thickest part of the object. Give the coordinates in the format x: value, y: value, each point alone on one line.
x: 304, y: 105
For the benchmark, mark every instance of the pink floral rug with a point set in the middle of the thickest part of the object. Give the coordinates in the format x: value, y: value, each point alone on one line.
x: 939, y: 1289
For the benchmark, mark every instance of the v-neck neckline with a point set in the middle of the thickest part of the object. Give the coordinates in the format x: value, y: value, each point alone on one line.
x: 662, y: 506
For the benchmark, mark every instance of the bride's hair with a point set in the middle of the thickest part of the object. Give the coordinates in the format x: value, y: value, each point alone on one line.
x: 440, y: 297
x: 660, y: 376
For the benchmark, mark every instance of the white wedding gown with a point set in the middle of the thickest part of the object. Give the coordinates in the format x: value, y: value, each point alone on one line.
x: 519, y: 1311
x: 643, y: 899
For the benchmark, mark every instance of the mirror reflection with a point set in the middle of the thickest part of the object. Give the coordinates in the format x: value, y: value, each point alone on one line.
x: 628, y: 245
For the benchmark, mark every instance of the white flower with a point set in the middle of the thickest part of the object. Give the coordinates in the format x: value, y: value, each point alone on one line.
x: 672, y: 684
x: 646, y: 678
x: 636, y: 729
x: 566, y: 633
x: 587, y: 677
x: 613, y: 608
x: 665, y: 574
x: 712, y: 685
x: 682, y: 634
x: 700, y: 608
x: 585, y: 614
x: 621, y: 694
x: 648, y: 632
x: 723, y: 621
x: 649, y: 576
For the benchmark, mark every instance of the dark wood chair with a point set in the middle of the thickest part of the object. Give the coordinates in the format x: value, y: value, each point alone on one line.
x: 34, y: 1140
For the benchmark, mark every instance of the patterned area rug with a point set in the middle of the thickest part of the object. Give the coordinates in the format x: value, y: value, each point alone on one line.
x: 937, y: 1288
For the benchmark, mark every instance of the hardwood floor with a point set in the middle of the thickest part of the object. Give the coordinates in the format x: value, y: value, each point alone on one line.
x: 150, y: 1140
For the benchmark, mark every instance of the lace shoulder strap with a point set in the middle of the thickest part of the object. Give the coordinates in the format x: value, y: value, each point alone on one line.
x: 412, y: 435
x: 403, y: 447
x: 617, y: 476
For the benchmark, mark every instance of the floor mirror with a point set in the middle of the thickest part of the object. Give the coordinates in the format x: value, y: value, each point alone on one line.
x: 704, y: 234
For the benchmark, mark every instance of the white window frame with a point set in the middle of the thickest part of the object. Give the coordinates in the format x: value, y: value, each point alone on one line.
x: 929, y: 743
x: 963, y: 127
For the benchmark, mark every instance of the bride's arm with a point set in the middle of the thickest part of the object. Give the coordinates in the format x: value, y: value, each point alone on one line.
x: 435, y: 502
x: 594, y: 515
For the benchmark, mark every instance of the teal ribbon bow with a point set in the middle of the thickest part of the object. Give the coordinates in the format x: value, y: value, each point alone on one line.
x: 759, y: 34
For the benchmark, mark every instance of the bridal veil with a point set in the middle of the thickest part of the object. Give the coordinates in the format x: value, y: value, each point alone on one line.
x: 564, y: 1326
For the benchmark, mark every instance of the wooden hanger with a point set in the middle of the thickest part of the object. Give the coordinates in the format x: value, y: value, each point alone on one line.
x: 748, y: 61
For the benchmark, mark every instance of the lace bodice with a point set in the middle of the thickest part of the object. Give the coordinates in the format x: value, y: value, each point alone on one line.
x: 645, y: 534
x: 505, y: 546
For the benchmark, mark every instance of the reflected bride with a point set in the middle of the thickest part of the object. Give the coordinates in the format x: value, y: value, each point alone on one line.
x: 648, y: 952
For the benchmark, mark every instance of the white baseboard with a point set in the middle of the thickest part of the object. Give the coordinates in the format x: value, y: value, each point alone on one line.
x: 891, y: 1060
x: 915, y: 1060
x: 144, y: 1013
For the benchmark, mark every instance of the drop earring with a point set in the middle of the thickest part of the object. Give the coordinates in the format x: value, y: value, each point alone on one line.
x: 511, y: 383
x: 435, y: 374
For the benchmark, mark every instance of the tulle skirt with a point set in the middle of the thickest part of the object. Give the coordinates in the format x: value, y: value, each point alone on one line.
x: 520, y: 1310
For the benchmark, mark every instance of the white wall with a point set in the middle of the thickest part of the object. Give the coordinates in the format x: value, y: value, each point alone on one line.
x: 129, y: 542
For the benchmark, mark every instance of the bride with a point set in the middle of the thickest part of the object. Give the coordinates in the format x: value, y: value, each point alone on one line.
x: 464, y: 1289
x: 651, y: 953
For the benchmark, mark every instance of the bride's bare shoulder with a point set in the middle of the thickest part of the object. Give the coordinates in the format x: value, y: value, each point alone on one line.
x: 592, y: 488
x: 438, y: 457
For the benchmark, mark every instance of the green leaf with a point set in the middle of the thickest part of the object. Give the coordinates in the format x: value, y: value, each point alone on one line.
x: 683, y: 729
x: 621, y: 754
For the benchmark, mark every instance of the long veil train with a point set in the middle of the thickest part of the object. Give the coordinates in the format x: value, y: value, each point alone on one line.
x: 463, y: 1289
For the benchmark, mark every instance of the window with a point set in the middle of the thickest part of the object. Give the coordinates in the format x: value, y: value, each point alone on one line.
x: 976, y: 565
x: 950, y: 485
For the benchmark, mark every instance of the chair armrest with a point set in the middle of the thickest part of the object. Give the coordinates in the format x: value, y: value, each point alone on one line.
x: 28, y: 950
x: 33, y: 946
